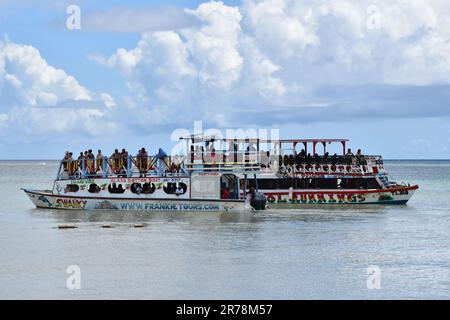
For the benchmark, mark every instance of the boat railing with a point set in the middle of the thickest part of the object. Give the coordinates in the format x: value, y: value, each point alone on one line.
x: 130, y: 166
x: 324, y: 165
x: 223, y: 161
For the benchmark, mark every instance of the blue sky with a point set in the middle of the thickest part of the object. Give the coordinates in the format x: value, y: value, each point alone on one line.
x: 376, y: 72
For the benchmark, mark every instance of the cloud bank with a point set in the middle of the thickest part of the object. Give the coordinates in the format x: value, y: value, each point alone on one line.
x: 36, y: 98
x: 288, y: 60
x: 264, y: 63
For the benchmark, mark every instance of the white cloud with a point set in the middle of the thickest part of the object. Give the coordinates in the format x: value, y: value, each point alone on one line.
x: 108, y: 100
x: 35, y: 82
x: 286, y: 53
x: 197, y: 69
x: 265, y: 62
x: 214, y: 47
x: 37, y: 98
x: 280, y: 26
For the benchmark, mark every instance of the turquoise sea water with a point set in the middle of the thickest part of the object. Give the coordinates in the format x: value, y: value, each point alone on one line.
x: 306, y: 254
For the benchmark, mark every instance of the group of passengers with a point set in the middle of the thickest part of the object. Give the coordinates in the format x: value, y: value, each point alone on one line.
x: 199, y: 153
x: 210, y: 157
x: 303, y: 158
x: 118, y: 162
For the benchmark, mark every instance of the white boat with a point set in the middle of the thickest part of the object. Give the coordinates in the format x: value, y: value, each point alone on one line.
x: 215, y: 174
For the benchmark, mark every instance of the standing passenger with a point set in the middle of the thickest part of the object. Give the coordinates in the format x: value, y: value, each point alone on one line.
x: 99, y: 161
x: 90, y: 162
x: 115, y: 161
x: 71, y: 164
x: 142, y: 162
x: 124, y: 158
x: 65, y: 161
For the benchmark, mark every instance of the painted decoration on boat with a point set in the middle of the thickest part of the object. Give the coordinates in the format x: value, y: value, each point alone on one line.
x: 106, y: 205
x: 71, y: 203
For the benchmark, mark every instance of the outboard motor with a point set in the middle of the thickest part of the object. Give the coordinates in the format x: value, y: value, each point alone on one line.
x: 258, y: 201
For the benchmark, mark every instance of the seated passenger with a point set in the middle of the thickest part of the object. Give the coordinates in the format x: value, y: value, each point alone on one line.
x: 360, y: 158
x: 303, y: 153
x: 349, y: 156
x: 138, y: 188
x: 326, y: 158
x: 179, y: 190
x: 316, y: 159
x: 308, y: 159
x: 291, y: 160
x: 334, y: 159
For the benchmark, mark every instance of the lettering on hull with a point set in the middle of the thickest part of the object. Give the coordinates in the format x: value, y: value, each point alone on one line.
x: 169, y: 206
x: 330, y: 198
x: 71, y: 203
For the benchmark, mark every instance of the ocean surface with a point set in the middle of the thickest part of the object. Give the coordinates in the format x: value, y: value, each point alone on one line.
x: 291, y: 254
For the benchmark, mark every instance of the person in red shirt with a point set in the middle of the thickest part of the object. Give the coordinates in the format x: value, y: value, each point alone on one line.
x: 224, y: 194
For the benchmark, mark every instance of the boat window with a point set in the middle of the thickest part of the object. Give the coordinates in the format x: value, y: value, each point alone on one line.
x: 266, y: 184
x: 285, y: 183
x: 272, y: 184
x: 302, y: 183
x: 114, y: 188
x: 148, y: 188
x: 323, y: 183
x: 297, y: 183
x: 136, y: 188
x: 359, y: 183
x: 183, y: 187
x: 171, y: 188
x: 314, y: 183
x: 94, y: 188
x: 371, y: 183
x: 71, y: 188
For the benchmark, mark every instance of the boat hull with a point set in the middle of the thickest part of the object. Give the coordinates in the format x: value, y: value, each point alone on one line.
x: 48, y: 200
x: 393, y: 196
x: 275, y: 199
